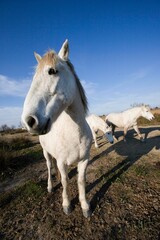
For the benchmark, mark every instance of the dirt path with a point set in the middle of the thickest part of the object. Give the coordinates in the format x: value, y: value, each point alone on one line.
x: 123, y: 186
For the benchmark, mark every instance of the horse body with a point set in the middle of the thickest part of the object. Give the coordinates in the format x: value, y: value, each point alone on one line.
x: 97, y: 123
x: 55, y: 109
x: 128, y: 119
x: 67, y: 140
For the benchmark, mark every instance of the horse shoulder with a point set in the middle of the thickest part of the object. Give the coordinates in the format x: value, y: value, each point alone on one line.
x: 116, y: 119
x: 129, y: 118
x: 91, y: 122
x: 101, y: 124
x: 67, y: 140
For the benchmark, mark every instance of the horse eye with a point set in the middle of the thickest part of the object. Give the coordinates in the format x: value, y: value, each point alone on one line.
x: 52, y: 71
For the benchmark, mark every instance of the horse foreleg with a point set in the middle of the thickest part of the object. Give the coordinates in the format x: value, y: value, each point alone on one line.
x: 138, y: 132
x: 125, y: 133
x: 49, y: 166
x: 64, y: 180
x: 94, y: 138
x: 82, y: 166
x: 113, y: 132
x: 55, y: 170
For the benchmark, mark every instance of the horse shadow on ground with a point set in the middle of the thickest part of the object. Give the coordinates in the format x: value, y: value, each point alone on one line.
x: 132, y: 150
x: 131, y: 132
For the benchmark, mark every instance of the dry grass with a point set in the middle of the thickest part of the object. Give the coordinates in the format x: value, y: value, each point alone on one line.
x: 155, y: 121
x: 122, y: 187
x: 9, y: 148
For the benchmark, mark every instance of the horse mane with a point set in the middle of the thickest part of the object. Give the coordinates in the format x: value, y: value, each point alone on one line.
x: 49, y: 58
x: 140, y: 106
x: 79, y: 85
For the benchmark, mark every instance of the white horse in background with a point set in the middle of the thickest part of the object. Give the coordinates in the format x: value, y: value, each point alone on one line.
x: 97, y: 123
x: 55, y: 109
x: 128, y: 119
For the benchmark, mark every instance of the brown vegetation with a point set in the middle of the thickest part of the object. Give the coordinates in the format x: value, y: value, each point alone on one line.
x: 122, y: 186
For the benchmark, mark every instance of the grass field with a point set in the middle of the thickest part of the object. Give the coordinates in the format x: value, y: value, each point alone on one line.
x: 123, y: 187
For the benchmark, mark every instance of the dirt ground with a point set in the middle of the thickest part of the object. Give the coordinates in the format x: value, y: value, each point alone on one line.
x: 123, y: 187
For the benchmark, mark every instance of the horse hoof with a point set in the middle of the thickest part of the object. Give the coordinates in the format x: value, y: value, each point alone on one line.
x: 87, y: 213
x: 67, y: 210
x: 49, y: 190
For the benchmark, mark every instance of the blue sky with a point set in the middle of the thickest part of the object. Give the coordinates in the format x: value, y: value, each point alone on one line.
x: 114, y: 46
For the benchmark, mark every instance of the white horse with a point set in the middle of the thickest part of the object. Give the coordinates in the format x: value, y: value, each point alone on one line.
x: 55, y: 108
x: 128, y: 119
x: 97, y: 123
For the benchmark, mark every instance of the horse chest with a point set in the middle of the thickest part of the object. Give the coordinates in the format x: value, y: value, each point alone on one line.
x: 68, y: 143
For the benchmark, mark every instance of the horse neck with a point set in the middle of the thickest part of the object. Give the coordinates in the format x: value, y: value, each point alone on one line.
x: 138, y: 113
x: 76, y: 109
x: 102, y: 126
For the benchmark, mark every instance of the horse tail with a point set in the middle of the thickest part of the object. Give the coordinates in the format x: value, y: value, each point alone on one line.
x: 106, y: 118
x: 107, y: 121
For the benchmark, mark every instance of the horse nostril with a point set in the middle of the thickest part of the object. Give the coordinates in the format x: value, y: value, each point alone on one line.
x: 32, y: 122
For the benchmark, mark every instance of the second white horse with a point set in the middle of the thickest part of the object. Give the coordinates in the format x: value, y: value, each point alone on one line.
x: 97, y: 123
x: 128, y: 119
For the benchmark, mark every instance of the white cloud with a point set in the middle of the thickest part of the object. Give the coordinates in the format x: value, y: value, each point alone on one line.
x: 139, y: 74
x: 102, y: 99
x: 89, y: 87
x: 13, y: 87
x: 124, y: 93
x: 117, y: 102
x: 10, y: 116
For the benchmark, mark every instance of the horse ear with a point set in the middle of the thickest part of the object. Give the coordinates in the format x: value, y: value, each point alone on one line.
x: 37, y: 56
x: 64, y: 51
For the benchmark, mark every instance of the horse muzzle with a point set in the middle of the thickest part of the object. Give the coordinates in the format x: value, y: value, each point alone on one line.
x: 35, y: 126
x: 151, y: 118
x: 109, y: 136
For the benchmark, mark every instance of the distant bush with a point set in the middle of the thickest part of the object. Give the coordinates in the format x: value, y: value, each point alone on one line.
x: 18, y: 130
x: 10, y: 130
x: 139, y: 105
x: 5, y: 128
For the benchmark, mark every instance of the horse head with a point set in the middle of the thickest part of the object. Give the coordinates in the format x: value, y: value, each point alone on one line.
x: 108, y: 134
x: 52, y: 90
x: 146, y: 113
